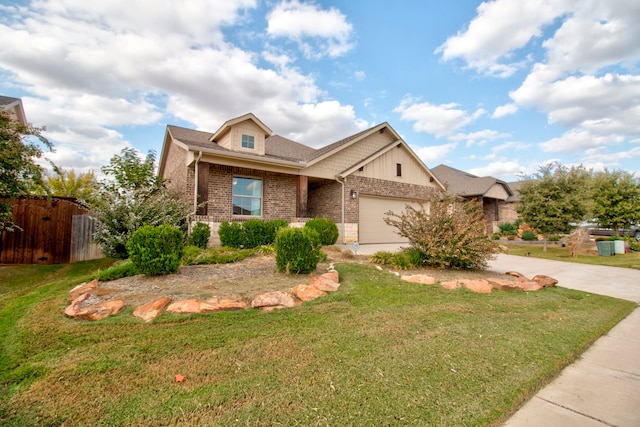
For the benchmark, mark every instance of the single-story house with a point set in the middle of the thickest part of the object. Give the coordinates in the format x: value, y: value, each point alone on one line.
x: 497, y: 197
x: 244, y: 171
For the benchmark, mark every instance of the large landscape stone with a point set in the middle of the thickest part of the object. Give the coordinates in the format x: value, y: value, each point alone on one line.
x: 275, y: 299
x: 184, y: 306
x: 84, y: 288
x: 451, y: 284
x: 477, y: 285
x: 332, y: 275
x: 73, y: 309
x: 324, y: 284
x: 420, y: 278
x: 152, y: 309
x: 101, y: 311
x: 307, y: 292
x: 545, y: 281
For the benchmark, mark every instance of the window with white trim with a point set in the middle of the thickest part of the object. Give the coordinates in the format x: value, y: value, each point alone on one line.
x: 248, y: 142
x: 247, y: 196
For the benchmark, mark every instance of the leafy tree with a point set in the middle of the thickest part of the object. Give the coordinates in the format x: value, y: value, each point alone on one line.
x: 133, y: 196
x: 449, y: 233
x: 20, y: 145
x: 83, y: 187
x: 554, y: 198
x: 616, y: 197
x: 130, y: 174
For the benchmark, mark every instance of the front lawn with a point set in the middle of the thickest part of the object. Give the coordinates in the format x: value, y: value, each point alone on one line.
x: 377, y: 352
x: 587, y: 255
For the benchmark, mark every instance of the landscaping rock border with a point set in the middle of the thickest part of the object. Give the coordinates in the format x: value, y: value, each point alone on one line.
x: 317, y: 287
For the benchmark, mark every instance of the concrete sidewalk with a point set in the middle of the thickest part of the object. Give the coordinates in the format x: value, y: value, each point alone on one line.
x: 602, y: 388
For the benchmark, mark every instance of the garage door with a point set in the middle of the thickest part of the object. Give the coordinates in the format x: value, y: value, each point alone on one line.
x: 372, y: 227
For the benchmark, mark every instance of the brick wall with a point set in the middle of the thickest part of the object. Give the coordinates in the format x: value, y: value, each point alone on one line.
x: 279, y: 192
x: 381, y: 188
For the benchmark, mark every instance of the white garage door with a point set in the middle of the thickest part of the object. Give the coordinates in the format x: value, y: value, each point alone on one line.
x: 372, y: 227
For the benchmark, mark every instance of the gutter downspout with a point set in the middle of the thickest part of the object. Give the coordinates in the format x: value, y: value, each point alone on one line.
x: 344, y: 236
x: 195, y: 188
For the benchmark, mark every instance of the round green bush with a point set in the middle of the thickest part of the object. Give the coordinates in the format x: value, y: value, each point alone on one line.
x: 297, y: 250
x: 200, y: 234
x: 156, y: 250
x: 231, y: 235
x: 528, y: 235
x: 326, y: 229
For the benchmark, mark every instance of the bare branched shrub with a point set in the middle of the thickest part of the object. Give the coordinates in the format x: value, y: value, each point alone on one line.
x: 575, y: 240
x: 448, y: 232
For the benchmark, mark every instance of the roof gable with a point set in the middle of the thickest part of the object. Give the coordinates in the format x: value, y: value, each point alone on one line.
x: 226, y: 126
x: 465, y: 184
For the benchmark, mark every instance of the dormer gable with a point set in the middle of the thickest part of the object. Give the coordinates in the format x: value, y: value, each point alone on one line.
x: 244, y: 134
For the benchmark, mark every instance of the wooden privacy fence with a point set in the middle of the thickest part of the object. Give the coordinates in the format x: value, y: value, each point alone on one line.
x: 51, y: 231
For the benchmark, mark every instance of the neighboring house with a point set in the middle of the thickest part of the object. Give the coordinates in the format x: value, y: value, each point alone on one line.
x: 244, y: 171
x: 14, y: 107
x: 497, y: 197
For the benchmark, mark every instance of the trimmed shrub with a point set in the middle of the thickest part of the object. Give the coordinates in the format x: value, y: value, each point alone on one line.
x: 200, y: 234
x: 156, y: 250
x: 271, y: 230
x: 250, y: 234
x: 528, y: 235
x: 231, y: 234
x: 508, y: 229
x: 120, y: 269
x: 326, y: 229
x: 297, y: 250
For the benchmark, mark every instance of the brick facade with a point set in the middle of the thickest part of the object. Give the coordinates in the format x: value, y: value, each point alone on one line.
x: 279, y: 193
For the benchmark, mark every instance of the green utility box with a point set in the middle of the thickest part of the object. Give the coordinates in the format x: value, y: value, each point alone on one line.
x: 606, y: 248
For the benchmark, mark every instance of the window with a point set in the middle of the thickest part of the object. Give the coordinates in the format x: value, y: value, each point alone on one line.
x: 248, y: 142
x: 247, y: 196
x: 398, y: 169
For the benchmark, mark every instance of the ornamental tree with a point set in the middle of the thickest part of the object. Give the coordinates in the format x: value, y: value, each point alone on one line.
x: 20, y: 146
x: 133, y: 196
x: 616, y: 199
x: 555, y: 198
x: 448, y: 232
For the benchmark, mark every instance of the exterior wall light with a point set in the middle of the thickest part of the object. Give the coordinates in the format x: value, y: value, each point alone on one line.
x: 354, y: 194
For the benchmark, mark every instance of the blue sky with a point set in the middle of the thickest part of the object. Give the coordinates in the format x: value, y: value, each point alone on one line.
x: 493, y: 88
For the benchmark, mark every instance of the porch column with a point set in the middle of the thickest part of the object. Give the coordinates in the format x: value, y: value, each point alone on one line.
x: 303, y: 194
x: 203, y: 188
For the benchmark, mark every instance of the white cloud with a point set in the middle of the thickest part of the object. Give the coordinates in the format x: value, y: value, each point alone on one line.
x: 92, y: 67
x: 434, y: 154
x: 511, y: 146
x: 579, y: 140
x: 479, y: 137
x: 504, y: 110
x: 318, y: 32
x: 603, y: 105
x: 439, y: 120
x: 595, y: 36
x: 507, y: 169
x: 500, y: 28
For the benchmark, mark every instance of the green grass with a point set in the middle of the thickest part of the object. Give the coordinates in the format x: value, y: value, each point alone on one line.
x: 588, y: 255
x: 377, y: 352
